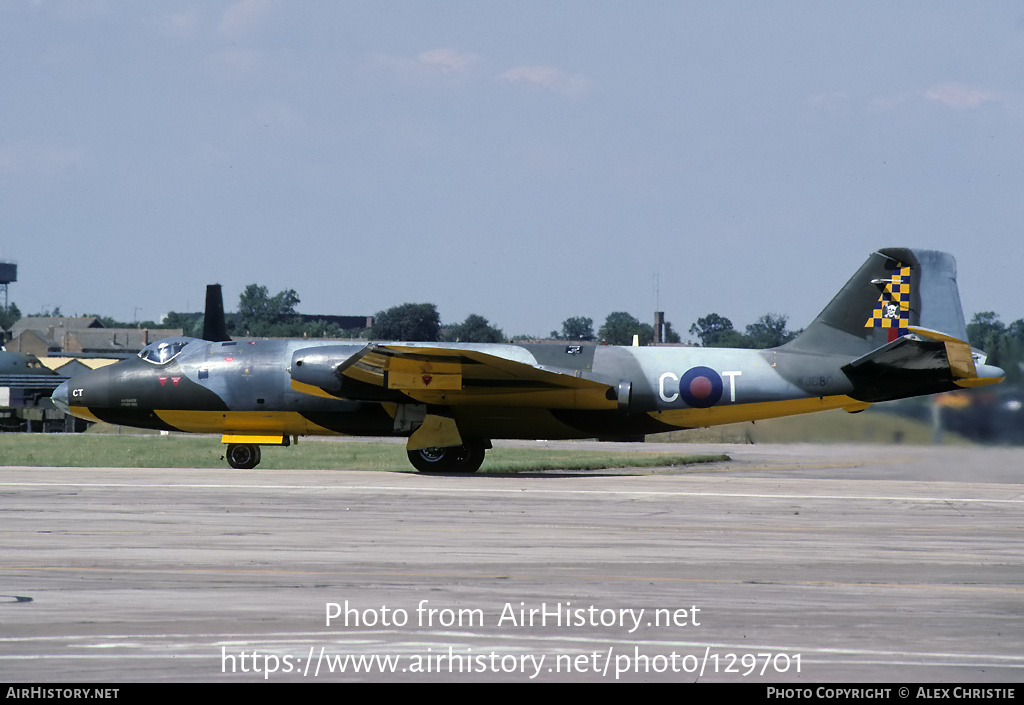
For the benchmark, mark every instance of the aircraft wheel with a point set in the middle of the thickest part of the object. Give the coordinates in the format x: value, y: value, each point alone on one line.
x: 243, y: 456
x: 466, y: 458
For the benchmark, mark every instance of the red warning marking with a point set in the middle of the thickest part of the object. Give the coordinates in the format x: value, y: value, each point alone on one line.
x: 163, y: 381
x: 175, y: 380
x: 426, y: 380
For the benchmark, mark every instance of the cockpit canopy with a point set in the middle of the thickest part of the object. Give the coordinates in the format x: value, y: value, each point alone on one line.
x: 164, y: 350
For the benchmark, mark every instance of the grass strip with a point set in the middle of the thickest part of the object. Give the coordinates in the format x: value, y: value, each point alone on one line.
x: 181, y: 451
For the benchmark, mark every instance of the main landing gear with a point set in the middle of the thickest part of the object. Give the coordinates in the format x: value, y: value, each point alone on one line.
x: 463, y: 459
x: 243, y: 456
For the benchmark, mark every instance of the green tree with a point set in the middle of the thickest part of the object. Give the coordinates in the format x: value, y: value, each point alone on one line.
x: 475, y: 329
x: 769, y: 331
x: 111, y: 322
x: 9, y: 316
x: 1004, y: 345
x: 47, y: 313
x: 716, y: 331
x: 263, y: 315
x: 417, y: 322
x: 620, y: 327
x: 577, y: 328
x: 325, y: 329
x: 189, y: 324
x: 1012, y: 352
x: 985, y: 330
x: 733, y: 339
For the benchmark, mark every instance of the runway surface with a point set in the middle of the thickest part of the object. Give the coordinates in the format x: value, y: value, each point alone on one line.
x: 787, y: 564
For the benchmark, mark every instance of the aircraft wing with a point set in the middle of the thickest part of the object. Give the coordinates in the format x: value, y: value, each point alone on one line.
x: 446, y: 376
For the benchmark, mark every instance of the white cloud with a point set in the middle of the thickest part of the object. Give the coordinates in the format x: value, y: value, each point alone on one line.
x: 566, y: 84
x: 428, y: 65
x: 84, y: 9
x: 959, y: 96
x: 835, y: 101
x: 244, y: 17
x: 447, y: 60
x: 182, y: 24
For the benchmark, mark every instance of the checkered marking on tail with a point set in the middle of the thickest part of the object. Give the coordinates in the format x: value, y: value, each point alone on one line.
x: 893, y: 308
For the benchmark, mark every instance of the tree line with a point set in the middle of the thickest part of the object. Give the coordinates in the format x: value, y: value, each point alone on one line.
x: 261, y: 314
x: 1003, y: 343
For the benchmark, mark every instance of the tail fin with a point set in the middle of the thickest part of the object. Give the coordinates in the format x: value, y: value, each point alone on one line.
x: 900, y: 318
x: 895, y: 290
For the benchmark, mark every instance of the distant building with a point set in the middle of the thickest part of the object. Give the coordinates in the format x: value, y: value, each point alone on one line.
x: 41, y: 335
x: 30, y: 341
x: 56, y: 323
x: 44, y: 336
x: 114, y: 340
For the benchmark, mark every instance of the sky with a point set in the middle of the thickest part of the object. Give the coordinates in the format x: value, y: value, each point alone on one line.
x: 526, y: 161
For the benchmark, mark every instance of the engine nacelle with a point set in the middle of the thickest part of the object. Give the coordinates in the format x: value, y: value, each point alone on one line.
x: 318, y: 367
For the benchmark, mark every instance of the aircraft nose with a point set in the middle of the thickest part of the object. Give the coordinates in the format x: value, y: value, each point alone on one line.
x: 60, y: 397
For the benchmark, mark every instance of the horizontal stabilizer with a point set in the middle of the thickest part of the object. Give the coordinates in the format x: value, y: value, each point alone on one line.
x: 921, y: 362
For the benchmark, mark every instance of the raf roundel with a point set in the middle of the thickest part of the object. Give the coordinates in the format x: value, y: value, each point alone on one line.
x: 700, y: 387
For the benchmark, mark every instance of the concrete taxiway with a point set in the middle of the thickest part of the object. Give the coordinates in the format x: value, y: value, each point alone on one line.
x: 786, y: 564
